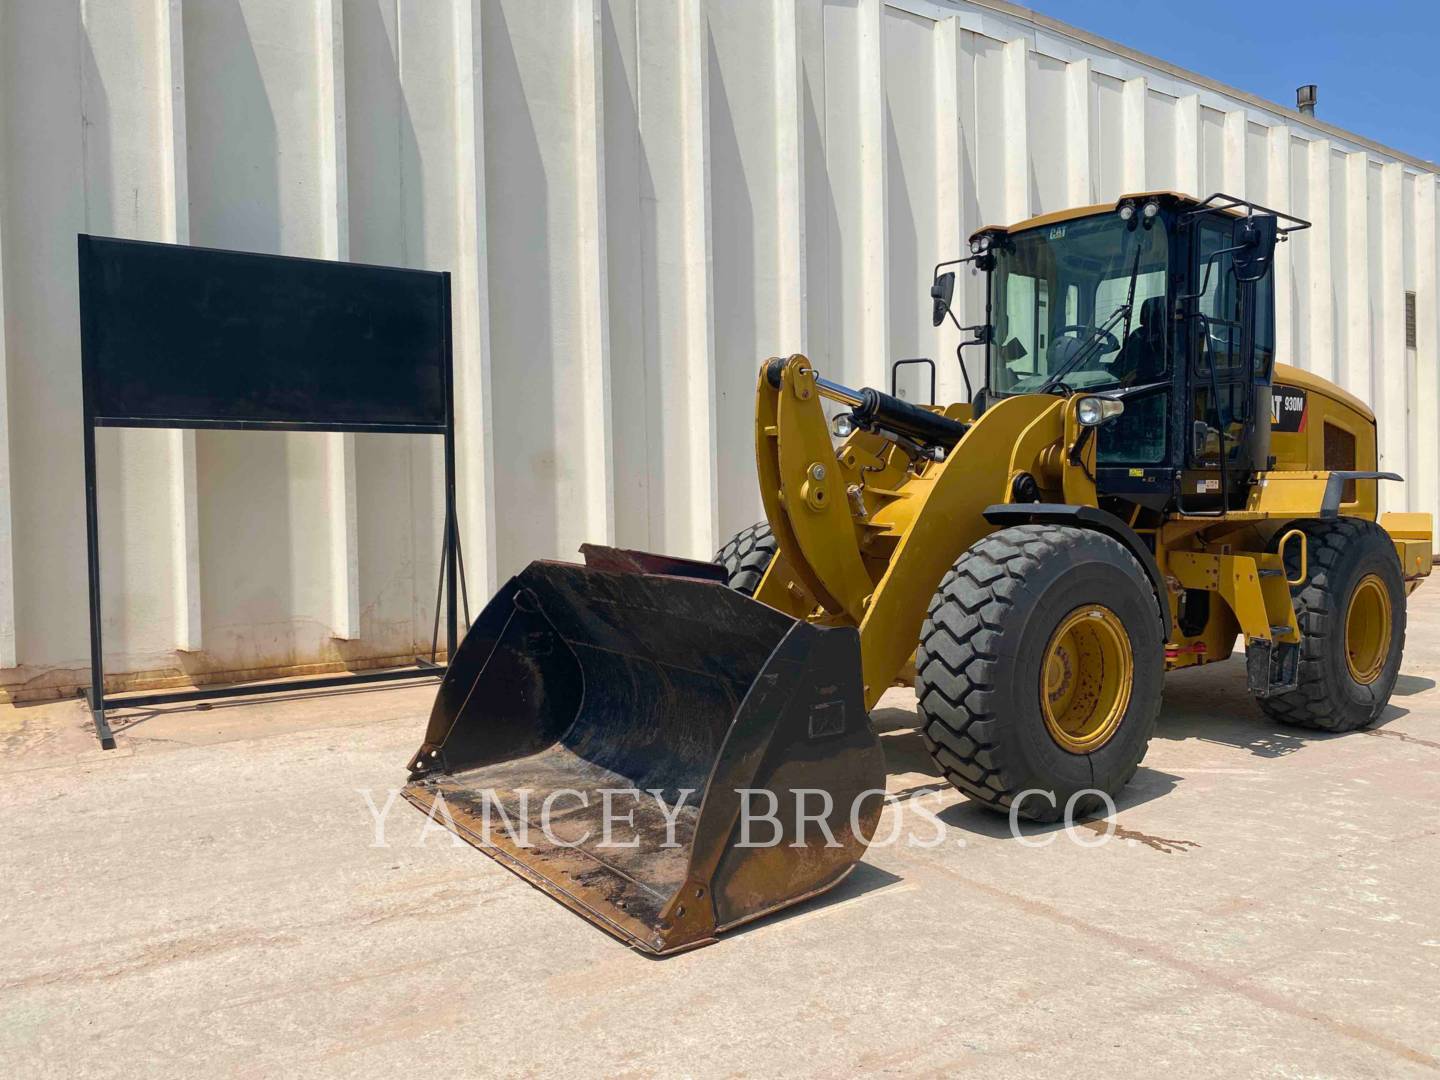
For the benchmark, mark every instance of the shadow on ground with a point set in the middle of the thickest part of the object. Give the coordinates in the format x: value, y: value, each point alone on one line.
x: 123, y: 718
x: 905, y: 754
x: 1211, y: 704
x: 863, y: 879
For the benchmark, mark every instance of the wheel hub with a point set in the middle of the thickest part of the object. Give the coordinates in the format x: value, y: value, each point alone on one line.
x: 1086, y: 678
x: 1367, y: 629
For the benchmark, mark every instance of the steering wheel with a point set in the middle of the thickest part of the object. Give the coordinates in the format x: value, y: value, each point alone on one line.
x: 1086, y: 334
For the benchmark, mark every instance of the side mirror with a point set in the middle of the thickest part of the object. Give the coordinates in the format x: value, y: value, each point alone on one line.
x: 1255, y: 239
x: 941, y: 293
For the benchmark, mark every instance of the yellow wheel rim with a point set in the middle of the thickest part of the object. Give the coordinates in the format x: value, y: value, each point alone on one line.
x: 1367, y: 629
x: 1085, y: 679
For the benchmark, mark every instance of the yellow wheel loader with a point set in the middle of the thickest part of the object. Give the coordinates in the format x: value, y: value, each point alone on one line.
x: 1136, y: 484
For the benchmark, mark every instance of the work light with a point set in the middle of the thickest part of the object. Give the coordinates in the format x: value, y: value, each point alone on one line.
x: 1094, y: 411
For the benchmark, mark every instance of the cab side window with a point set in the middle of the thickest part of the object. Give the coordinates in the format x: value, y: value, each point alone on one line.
x: 1219, y: 303
x: 1137, y: 436
x: 1223, y: 305
x: 1024, y: 353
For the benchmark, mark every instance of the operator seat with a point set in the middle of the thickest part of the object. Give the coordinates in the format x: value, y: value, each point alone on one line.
x: 1142, y: 358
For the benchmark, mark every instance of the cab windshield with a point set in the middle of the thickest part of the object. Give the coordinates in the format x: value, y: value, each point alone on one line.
x: 1059, y: 304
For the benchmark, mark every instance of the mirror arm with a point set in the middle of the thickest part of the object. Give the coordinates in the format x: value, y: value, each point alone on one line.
x: 982, y: 331
x: 1204, y: 282
x: 956, y: 262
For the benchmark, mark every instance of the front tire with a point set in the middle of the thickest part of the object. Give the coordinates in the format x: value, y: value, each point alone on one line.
x: 1040, y: 668
x: 746, y: 557
x: 1351, y: 612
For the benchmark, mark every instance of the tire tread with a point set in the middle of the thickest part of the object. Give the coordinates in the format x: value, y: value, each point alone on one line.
x: 958, y: 654
x: 1311, y: 704
x: 746, y: 557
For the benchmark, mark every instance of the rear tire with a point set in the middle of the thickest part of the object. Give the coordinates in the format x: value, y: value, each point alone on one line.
x: 990, y: 678
x: 1351, y: 611
x: 747, y: 556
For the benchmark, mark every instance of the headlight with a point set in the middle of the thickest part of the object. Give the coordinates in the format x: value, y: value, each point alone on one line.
x: 1094, y: 411
x: 843, y: 425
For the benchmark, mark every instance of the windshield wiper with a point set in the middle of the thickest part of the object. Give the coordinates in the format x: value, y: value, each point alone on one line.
x: 1089, y: 348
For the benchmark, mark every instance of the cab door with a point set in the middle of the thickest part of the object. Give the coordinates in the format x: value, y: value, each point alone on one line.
x: 1230, y: 345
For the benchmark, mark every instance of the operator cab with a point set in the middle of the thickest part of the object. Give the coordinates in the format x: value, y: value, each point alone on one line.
x: 1161, y: 302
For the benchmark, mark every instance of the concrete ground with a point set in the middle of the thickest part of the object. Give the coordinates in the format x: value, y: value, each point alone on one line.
x: 208, y: 896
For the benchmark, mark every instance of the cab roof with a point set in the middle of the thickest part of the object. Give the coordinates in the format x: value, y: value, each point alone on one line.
x: 1098, y: 208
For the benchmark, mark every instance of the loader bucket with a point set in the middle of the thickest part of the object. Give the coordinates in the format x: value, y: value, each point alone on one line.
x: 576, y: 681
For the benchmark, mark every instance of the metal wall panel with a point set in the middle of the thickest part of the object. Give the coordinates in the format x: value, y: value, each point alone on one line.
x: 639, y: 200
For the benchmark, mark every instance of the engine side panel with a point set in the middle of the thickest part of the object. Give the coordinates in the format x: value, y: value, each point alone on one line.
x: 1317, y: 426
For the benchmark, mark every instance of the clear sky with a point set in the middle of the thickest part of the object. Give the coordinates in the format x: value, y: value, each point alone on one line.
x: 1377, y: 62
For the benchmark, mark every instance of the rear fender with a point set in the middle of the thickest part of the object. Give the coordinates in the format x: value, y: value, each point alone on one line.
x: 1414, y: 538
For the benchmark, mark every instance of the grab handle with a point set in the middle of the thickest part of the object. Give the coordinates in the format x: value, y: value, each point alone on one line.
x: 1304, y: 555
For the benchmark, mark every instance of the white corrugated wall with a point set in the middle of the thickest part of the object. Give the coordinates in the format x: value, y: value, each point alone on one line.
x: 639, y: 199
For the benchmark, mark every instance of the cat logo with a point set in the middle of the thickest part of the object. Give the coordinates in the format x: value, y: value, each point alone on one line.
x: 1287, y: 405
x: 1057, y: 233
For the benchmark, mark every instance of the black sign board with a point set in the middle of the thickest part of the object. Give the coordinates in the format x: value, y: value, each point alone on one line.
x: 1288, y: 405
x: 181, y: 337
